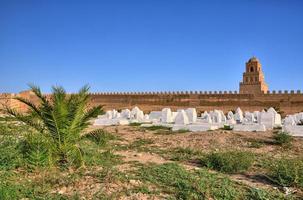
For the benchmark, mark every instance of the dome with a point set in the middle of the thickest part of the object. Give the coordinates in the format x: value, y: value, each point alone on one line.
x: 253, y: 59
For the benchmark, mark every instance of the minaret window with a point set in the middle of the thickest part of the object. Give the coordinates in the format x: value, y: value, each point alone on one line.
x: 251, y: 69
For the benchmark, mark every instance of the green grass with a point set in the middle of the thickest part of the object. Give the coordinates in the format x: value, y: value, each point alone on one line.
x: 283, y: 139
x: 168, y: 131
x: 179, y: 183
x: 173, y: 179
x: 229, y: 161
x: 140, y: 145
x: 183, y: 154
x: 260, y: 194
x: 157, y: 127
x: 255, y: 143
x: 182, y: 131
x: 100, y: 137
x: 287, y: 171
x: 10, y: 155
x: 135, y: 124
x: 227, y: 127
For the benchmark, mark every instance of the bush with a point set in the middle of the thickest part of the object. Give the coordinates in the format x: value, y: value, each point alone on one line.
x: 61, y: 118
x: 283, y: 139
x: 227, y: 127
x: 229, y: 161
x: 35, y: 150
x: 287, y: 172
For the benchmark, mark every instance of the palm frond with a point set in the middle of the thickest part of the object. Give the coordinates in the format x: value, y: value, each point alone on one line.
x: 31, y: 106
x: 28, y: 120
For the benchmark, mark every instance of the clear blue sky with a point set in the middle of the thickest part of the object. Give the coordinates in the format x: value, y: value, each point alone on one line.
x: 149, y: 45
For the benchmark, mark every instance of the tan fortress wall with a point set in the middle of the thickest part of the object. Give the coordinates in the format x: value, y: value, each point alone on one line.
x: 287, y: 102
x: 253, y: 95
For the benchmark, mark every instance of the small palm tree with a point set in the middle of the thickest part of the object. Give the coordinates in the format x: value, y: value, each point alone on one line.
x: 61, y: 118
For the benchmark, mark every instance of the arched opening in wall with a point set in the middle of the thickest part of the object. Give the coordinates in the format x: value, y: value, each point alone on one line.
x: 251, y: 69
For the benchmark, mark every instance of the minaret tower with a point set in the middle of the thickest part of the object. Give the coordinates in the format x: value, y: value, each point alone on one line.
x: 253, y: 78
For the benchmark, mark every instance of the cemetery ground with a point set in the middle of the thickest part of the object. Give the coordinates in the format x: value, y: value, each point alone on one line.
x: 132, y: 162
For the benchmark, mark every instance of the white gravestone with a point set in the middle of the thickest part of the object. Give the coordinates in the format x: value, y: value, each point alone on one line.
x: 181, y: 118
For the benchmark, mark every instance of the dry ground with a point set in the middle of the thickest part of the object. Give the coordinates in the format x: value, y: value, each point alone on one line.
x: 145, y: 146
x: 112, y: 170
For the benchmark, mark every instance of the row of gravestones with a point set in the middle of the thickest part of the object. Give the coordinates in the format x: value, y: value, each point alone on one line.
x: 248, y: 121
x: 294, y: 124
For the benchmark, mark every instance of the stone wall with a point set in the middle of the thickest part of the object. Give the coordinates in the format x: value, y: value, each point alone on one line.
x: 288, y: 102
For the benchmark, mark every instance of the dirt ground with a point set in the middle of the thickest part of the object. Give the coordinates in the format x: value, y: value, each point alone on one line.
x: 204, y: 142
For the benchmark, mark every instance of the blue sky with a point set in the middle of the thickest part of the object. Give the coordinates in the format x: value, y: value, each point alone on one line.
x: 149, y: 45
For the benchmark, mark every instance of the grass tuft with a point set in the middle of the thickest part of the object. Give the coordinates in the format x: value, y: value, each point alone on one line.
x: 287, y: 172
x: 283, y: 139
x: 157, y: 127
x: 229, y: 161
x: 100, y: 137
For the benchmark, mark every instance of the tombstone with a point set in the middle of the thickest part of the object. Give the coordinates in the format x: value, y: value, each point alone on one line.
x: 238, y: 110
x: 299, y: 117
x: 166, y: 116
x: 289, y: 121
x: 126, y: 114
x: 134, y: 111
x: 109, y: 114
x: 249, y: 127
x: 231, y: 121
x: 155, y: 115
x: 216, y: 116
x: 204, y: 114
x: 239, y: 116
x: 294, y: 130
x: 208, y: 119
x: 137, y: 114
x: 146, y: 117
x: 268, y: 119
x: 181, y: 118
x: 249, y: 117
x: 191, y: 114
x: 223, y: 117
x: 114, y: 114
x: 123, y: 122
x: 257, y: 116
x: 140, y: 115
x: 174, y: 115
x: 277, y: 117
x: 230, y: 115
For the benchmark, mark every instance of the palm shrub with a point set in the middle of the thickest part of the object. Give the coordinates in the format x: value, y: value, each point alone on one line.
x: 60, y: 118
